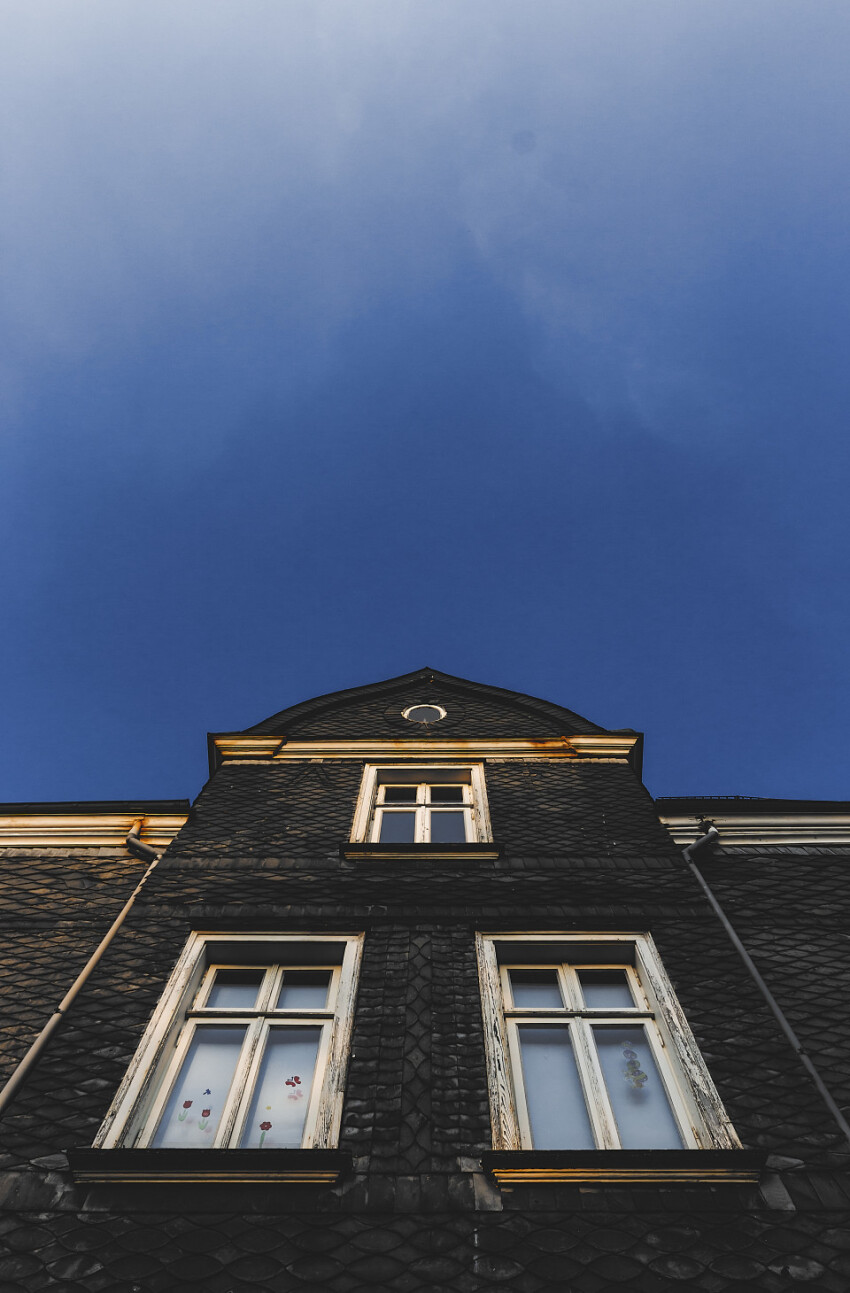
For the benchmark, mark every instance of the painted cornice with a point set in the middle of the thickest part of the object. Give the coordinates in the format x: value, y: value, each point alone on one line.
x: 272, y: 748
x: 762, y: 828
x: 86, y: 830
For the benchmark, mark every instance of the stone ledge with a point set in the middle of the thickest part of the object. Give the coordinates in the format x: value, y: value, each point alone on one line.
x: 427, y: 852
x: 208, y: 1166
x: 624, y: 1166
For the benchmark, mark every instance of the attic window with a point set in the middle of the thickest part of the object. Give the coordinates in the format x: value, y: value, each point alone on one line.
x: 409, y: 804
x: 423, y: 713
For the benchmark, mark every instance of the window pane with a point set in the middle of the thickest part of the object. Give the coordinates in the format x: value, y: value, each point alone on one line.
x: 606, y: 990
x: 400, y: 794
x: 448, y: 828
x: 282, y: 1094
x: 424, y: 714
x: 398, y: 828
x: 556, y: 1108
x: 447, y: 794
x: 304, y: 990
x: 533, y: 989
x: 644, y: 1117
x: 235, y: 989
x: 194, y: 1109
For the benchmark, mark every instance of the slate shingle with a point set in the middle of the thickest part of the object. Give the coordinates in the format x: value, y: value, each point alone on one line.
x: 582, y: 850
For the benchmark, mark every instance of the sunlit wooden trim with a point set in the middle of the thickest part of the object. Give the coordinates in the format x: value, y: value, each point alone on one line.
x: 355, y: 852
x: 562, y: 747
x: 625, y: 1176
x: 745, y: 828
x: 80, y: 830
x: 207, y: 1166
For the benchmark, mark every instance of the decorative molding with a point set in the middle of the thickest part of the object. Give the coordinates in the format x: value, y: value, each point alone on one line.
x: 628, y: 1175
x: 208, y: 1166
x: 430, y: 749
x: 629, y: 1166
x: 81, y: 830
x: 422, y: 852
x: 738, y: 829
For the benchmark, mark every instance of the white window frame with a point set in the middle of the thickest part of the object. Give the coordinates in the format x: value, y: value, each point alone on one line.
x: 134, y: 1113
x: 692, y: 1096
x: 366, y: 826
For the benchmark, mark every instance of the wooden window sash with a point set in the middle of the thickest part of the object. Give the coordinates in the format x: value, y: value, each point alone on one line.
x: 135, y: 1113
x: 268, y: 993
x: 243, y: 1103
x: 695, y: 1105
x: 376, y: 777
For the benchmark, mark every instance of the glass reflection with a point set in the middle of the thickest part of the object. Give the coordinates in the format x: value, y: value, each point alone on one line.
x: 400, y: 794
x: 304, y: 990
x: 282, y: 1092
x: 235, y: 989
x: 606, y: 990
x: 447, y: 794
x: 448, y: 828
x: 536, y: 989
x: 193, y: 1112
x: 424, y: 714
x: 398, y: 828
x: 641, y: 1108
x: 556, y: 1108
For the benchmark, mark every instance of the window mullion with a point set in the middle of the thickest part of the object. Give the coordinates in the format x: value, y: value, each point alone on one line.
x: 422, y: 833
x: 570, y: 989
x: 598, y: 1105
x: 240, y: 1086
x: 270, y: 987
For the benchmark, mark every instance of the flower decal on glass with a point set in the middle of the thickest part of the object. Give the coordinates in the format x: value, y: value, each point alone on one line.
x: 632, y: 1071
x: 264, y: 1127
x: 294, y: 1082
x: 187, y: 1105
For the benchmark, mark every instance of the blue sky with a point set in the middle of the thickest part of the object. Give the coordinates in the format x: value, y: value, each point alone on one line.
x: 343, y: 338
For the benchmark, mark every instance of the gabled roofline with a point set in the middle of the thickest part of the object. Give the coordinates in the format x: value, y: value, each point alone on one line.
x: 317, y: 703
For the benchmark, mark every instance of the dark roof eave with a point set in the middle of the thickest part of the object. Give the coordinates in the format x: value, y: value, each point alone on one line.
x: 70, y: 806
x: 732, y: 805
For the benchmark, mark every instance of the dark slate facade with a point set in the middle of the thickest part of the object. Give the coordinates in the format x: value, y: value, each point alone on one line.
x: 581, y: 848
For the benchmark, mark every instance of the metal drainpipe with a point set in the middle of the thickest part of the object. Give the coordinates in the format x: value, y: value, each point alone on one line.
x: 140, y: 850
x: 711, y: 836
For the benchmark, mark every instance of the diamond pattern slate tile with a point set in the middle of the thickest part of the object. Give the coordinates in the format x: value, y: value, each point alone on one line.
x: 582, y: 851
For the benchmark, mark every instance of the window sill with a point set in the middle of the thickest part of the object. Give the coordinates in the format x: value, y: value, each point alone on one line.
x: 208, y: 1166
x: 624, y: 1166
x: 429, y: 852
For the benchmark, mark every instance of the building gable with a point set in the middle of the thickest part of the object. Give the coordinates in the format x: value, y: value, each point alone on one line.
x: 471, y: 710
